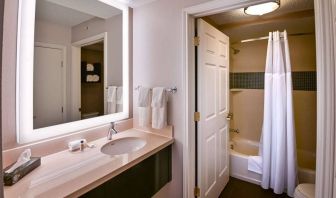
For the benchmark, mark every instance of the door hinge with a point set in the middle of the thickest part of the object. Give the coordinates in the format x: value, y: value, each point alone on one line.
x: 196, y: 41
x: 197, y: 192
x: 197, y: 116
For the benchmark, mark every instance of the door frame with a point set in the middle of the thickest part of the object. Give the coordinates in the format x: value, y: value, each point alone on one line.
x: 326, y: 89
x: 64, y: 72
x: 76, y: 71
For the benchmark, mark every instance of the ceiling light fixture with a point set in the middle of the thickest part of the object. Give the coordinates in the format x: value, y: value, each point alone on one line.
x: 262, y: 9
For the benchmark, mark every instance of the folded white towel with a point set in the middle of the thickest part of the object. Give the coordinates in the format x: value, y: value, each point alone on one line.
x: 95, y: 78
x: 144, y: 106
x: 159, y: 108
x: 144, y: 115
x: 119, y: 95
x: 89, y: 78
x: 89, y: 67
x: 255, y: 164
x: 144, y: 97
x: 119, y: 99
x: 111, y: 99
x: 159, y: 97
x: 111, y: 94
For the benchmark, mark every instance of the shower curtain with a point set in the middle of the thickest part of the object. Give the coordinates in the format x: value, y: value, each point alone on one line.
x: 277, y: 145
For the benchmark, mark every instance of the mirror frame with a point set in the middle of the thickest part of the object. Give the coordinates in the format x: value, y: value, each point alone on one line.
x: 24, y: 79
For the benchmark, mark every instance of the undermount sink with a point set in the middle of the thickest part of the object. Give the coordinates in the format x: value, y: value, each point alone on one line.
x: 123, y: 146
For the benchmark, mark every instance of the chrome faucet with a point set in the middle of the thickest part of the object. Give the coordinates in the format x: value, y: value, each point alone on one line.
x: 111, y: 131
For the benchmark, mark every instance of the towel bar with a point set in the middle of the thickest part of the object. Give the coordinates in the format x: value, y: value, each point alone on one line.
x: 170, y: 90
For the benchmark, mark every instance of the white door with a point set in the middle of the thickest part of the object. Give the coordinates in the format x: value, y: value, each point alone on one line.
x: 213, y: 105
x: 48, y: 87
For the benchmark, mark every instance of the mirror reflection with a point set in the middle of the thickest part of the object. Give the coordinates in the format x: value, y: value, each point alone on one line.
x: 77, y: 61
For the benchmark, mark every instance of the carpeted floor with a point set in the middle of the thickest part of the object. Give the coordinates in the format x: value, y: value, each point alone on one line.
x: 241, y: 189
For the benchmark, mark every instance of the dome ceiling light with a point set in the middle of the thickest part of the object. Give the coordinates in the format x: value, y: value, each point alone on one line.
x: 262, y: 9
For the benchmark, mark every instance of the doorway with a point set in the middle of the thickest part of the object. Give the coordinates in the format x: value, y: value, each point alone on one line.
x: 92, y: 80
x: 325, y: 70
x: 89, y: 72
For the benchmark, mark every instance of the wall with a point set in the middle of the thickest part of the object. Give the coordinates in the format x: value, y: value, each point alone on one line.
x: 113, y: 27
x: 1, y: 40
x: 8, y: 74
x: 157, y: 49
x: 247, y: 105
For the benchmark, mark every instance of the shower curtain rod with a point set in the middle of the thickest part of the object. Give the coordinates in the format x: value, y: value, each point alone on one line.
x: 266, y: 37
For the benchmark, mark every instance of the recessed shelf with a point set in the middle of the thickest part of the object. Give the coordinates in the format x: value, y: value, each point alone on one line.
x: 236, y: 90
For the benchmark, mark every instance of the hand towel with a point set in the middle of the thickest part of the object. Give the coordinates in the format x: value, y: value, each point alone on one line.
x: 144, y: 97
x: 111, y: 99
x: 119, y: 99
x: 159, y: 108
x: 143, y: 106
x: 255, y: 164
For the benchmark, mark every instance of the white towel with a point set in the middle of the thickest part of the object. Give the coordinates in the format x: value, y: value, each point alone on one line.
x: 119, y: 99
x: 89, y: 67
x: 255, y: 164
x: 143, y: 106
x: 159, y: 108
x: 111, y: 99
x: 89, y: 78
x: 95, y: 78
x: 144, y: 97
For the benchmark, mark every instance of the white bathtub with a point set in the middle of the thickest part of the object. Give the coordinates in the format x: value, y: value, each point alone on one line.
x: 242, y: 148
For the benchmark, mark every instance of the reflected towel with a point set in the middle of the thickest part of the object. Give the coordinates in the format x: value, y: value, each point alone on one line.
x: 89, y: 67
x: 159, y: 108
x: 144, y: 106
x: 119, y: 99
x: 111, y: 99
x: 255, y: 164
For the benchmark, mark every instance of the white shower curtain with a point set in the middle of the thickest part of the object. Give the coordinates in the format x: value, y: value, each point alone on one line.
x: 277, y: 146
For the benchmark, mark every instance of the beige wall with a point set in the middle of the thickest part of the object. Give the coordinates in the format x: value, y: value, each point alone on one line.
x: 247, y: 105
x: 158, y: 56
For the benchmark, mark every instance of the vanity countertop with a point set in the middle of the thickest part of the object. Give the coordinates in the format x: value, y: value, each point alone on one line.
x: 70, y: 174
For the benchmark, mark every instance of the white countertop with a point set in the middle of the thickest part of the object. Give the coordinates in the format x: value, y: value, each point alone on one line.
x: 66, y: 174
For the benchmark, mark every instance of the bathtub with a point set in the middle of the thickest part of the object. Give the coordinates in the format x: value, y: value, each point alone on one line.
x: 240, y: 149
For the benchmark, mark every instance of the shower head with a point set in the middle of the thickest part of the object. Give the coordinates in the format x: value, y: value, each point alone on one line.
x: 235, y: 51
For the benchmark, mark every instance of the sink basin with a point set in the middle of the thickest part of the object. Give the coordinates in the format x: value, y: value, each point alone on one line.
x: 123, y: 146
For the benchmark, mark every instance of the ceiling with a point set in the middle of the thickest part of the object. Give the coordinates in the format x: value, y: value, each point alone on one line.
x: 71, y: 12
x: 135, y: 3
x: 286, y: 6
x: 296, y: 16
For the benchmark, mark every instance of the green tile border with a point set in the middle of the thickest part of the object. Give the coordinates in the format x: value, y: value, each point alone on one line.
x: 305, y: 80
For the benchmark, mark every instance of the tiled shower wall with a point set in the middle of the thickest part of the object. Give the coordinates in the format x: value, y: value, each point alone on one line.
x: 304, y: 81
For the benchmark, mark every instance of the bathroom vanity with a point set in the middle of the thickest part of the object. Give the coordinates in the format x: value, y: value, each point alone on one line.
x: 91, y: 173
x: 135, y: 162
